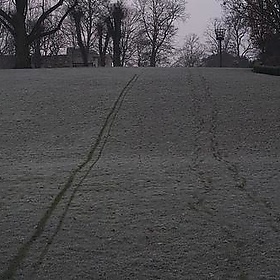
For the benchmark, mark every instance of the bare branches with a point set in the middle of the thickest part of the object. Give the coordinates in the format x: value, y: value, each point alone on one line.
x: 192, y: 52
x: 262, y: 17
x: 7, y: 21
x: 15, y: 17
x: 37, y: 32
x: 157, y: 19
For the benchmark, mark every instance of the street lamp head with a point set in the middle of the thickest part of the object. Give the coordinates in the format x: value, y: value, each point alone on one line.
x: 220, y: 36
x: 220, y: 33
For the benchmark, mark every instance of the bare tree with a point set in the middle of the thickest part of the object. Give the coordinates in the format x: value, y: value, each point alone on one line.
x: 143, y: 52
x: 53, y: 44
x: 77, y: 15
x: 14, y: 17
x: 84, y: 24
x: 103, y: 41
x: 114, y: 24
x: 6, y: 41
x: 129, y: 38
x: 240, y: 44
x: 266, y: 12
x: 263, y: 19
x: 192, y: 52
x: 158, y: 19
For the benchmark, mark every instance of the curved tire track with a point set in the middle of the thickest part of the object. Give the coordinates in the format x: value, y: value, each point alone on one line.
x: 67, y: 194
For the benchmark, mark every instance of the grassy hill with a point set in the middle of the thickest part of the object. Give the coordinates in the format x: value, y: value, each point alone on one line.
x: 139, y: 174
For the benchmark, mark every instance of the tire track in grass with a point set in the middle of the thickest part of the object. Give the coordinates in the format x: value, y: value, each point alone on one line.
x: 74, y: 181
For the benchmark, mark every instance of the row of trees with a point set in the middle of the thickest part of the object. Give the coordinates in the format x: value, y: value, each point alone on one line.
x: 261, y: 20
x: 138, y: 32
x: 236, y: 44
x: 27, y: 21
x: 252, y: 32
x: 142, y: 32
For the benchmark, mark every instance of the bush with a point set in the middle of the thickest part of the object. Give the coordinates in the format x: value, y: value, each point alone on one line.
x: 270, y: 70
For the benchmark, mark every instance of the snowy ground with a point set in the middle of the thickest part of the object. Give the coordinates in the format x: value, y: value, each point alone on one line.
x: 139, y: 174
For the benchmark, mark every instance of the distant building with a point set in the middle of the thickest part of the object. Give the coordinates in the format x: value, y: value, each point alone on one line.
x: 72, y: 58
x: 76, y: 59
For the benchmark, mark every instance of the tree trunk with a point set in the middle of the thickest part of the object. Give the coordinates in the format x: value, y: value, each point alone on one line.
x: 116, y: 53
x: 115, y: 29
x: 22, y: 53
x: 117, y: 39
x: 102, y: 60
x: 37, y: 54
x: 102, y: 46
x: 84, y: 52
x: 23, y: 59
x: 153, y: 58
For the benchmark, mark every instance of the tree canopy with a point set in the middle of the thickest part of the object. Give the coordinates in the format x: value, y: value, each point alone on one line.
x: 28, y: 20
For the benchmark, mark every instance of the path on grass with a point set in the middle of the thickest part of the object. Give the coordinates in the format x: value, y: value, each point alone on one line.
x: 140, y: 174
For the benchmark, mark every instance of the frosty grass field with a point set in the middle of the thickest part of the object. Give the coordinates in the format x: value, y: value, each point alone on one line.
x: 139, y: 174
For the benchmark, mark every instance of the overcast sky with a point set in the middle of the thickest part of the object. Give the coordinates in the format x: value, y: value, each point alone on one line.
x: 201, y: 11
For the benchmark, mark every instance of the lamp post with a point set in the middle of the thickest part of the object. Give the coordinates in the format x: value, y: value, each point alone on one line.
x: 220, y: 36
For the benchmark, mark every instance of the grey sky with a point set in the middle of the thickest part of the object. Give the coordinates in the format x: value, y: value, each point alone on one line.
x: 201, y: 11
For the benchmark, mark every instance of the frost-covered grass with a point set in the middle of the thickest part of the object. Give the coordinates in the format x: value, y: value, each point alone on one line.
x: 139, y: 174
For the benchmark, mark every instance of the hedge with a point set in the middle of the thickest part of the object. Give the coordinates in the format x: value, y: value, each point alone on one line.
x: 271, y: 70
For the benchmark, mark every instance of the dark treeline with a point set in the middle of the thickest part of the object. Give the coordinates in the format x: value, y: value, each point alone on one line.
x: 140, y: 33
x: 136, y: 32
x: 252, y: 32
x: 261, y: 20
